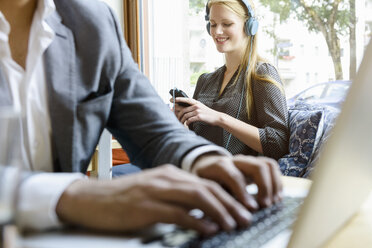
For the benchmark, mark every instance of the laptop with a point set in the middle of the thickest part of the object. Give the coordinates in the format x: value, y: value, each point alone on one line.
x: 341, y: 183
x: 342, y: 179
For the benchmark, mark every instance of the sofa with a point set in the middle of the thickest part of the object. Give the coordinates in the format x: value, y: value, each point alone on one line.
x: 310, y: 127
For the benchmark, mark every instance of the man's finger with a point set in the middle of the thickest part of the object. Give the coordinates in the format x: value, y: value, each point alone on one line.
x: 275, y: 178
x: 173, y: 214
x: 233, y: 207
x: 194, y: 195
x: 259, y: 171
x: 238, y: 211
x: 223, y: 171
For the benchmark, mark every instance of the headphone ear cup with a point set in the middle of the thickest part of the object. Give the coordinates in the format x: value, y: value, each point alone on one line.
x: 251, y: 26
x: 209, y: 28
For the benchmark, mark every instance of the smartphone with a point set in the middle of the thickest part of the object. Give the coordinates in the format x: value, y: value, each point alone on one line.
x: 179, y: 93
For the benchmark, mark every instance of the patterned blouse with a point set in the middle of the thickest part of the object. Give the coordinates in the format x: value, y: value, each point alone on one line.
x: 269, y: 113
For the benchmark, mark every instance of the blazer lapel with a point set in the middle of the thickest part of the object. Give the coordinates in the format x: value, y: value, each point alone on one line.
x: 59, y: 60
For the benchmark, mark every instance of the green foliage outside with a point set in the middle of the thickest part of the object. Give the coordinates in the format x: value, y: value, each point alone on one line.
x: 332, y: 18
x: 316, y: 15
x: 196, y: 6
x: 194, y: 77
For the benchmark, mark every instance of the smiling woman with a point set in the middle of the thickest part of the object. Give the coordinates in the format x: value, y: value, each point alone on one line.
x: 240, y: 106
x: 176, y: 47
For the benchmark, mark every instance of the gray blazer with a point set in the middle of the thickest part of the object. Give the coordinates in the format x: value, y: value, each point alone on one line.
x: 93, y: 83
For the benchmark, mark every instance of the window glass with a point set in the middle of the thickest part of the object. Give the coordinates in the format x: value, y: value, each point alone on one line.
x: 312, y: 93
x: 179, y: 48
x: 337, y: 91
x: 165, y: 45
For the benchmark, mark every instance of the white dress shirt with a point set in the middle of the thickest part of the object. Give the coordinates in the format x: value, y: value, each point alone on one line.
x: 38, y: 194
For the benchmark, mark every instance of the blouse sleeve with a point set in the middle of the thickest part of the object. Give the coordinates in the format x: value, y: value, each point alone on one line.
x: 272, y: 113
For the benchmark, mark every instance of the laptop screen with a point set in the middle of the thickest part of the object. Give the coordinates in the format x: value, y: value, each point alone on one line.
x: 343, y: 176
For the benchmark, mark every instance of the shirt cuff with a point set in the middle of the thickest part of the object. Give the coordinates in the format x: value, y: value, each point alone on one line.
x: 189, y: 159
x: 38, y: 198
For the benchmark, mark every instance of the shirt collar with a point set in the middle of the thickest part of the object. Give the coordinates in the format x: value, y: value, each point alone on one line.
x: 4, y: 28
x: 46, y: 8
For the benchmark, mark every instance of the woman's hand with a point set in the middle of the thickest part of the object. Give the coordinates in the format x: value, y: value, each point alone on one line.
x: 197, y: 111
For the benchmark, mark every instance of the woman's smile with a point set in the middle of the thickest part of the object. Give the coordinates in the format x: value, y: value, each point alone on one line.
x: 221, y: 40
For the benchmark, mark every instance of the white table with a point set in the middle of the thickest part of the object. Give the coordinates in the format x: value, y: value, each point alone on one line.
x: 357, y: 233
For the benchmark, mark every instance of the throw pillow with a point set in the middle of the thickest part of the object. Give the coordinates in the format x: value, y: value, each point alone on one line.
x: 304, y: 122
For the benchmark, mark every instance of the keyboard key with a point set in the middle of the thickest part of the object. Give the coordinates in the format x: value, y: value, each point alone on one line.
x: 266, y: 224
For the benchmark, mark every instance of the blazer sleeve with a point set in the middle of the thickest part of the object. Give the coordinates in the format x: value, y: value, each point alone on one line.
x: 272, y: 113
x: 140, y: 120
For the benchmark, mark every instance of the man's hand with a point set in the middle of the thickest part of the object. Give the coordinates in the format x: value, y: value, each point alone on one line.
x: 236, y: 172
x: 165, y: 194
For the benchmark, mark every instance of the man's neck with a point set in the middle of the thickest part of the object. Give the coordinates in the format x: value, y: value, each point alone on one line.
x: 19, y: 14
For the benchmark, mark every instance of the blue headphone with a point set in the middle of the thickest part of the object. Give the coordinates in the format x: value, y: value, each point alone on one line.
x: 250, y: 25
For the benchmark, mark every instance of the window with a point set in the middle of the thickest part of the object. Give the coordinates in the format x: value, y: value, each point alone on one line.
x: 165, y: 49
x: 316, y: 50
x: 313, y: 93
x: 316, y: 77
x: 302, y: 49
x: 336, y: 90
x: 176, y: 48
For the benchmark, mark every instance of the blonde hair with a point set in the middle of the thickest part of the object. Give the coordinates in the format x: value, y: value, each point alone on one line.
x: 250, y: 58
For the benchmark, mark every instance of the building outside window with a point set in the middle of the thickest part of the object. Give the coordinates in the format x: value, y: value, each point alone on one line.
x: 176, y: 49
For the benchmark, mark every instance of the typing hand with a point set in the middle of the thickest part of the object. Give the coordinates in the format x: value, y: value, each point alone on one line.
x: 234, y: 173
x: 164, y: 194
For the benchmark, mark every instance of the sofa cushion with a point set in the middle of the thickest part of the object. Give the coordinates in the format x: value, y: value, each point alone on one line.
x: 329, y: 118
x: 305, y: 124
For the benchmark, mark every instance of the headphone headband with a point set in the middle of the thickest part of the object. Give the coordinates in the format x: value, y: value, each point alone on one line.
x: 249, y: 8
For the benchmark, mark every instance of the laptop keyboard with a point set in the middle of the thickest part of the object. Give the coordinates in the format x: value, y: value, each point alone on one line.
x: 266, y: 224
